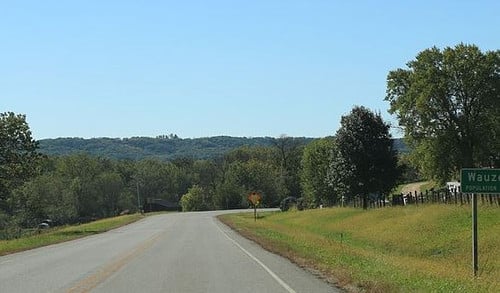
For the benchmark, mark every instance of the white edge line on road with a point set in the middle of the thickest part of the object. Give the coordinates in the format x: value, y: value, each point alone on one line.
x: 268, y: 270
x: 4, y: 262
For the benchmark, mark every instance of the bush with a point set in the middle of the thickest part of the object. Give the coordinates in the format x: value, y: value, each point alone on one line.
x: 292, y: 202
x: 194, y: 200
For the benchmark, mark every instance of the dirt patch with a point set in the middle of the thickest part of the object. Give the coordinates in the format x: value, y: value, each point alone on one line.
x: 412, y: 187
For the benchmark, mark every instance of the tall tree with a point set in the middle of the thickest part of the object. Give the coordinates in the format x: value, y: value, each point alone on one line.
x: 112, y: 189
x: 315, y: 172
x: 289, y: 152
x: 19, y: 159
x: 365, y: 145
x: 45, y: 197
x: 258, y: 176
x: 448, y: 103
x: 83, y: 170
x: 206, y: 174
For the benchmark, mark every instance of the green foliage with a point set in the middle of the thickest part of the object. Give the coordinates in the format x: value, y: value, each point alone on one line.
x: 246, y: 170
x: 247, y: 153
x: 160, y: 180
x: 365, y: 153
x: 82, y: 171
x: 195, y: 200
x: 19, y: 159
x: 161, y: 148
x: 45, y: 197
x: 409, y: 173
x: 315, y: 171
x: 448, y: 103
x: 206, y: 174
x: 288, y: 153
x: 114, y: 196
x: 229, y: 195
x: 168, y: 149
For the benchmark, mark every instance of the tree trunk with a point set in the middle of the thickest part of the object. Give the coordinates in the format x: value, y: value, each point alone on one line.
x: 365, y: 201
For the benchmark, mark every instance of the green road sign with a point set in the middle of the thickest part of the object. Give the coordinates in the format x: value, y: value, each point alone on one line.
x: 480, y: 180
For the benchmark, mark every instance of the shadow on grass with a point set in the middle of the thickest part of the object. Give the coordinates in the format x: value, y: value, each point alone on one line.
x: 258, y: 216
x: 78, y: 232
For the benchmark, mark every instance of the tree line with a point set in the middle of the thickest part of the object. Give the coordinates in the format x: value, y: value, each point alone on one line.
x: 447, y: 103
x: 80, y: 187
x: 162, y: 147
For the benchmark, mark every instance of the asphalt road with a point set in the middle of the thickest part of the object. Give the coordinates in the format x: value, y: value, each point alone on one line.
x: 179, y: 252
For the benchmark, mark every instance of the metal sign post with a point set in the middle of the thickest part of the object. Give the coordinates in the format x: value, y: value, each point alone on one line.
x: 477, y: 181
x: 254, y: 198
x: 475, y: 264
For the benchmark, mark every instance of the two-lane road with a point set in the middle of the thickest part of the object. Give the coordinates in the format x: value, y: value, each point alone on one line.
x: 179, y: 252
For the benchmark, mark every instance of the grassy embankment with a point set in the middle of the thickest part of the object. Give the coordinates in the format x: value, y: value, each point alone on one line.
x: 61, y: 234
x: 397, y: 249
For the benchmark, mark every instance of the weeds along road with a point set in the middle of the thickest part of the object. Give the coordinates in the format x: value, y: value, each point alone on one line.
x: 178, y: 252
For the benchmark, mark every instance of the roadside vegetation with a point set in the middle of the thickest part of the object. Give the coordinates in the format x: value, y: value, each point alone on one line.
x: 399, y: 249
x: 428, y: 185
x: 38, y: 238
x: 447, y: 103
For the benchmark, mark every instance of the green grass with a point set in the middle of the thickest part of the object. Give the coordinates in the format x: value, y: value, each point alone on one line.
x: 61, y: 234
x: 399, y: 249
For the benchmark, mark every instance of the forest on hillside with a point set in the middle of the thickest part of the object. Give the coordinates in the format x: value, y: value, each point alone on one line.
x: 164, y: 147
x: 92, y: 178
x: 161, y: 147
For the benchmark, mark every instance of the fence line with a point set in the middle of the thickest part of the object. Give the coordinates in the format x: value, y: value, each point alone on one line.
x: 443, y: 197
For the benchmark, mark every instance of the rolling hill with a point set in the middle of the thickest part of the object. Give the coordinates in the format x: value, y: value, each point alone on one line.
x: 163, y: 147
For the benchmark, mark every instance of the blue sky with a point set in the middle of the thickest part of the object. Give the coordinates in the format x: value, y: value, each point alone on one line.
x: 205, y: 68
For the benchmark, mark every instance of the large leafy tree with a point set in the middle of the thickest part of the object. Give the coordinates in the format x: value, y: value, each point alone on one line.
x: 112, y: 193
x: 448, y: 103
x: 258, y: 176
x: 364, y: 145
x: 82, y: 171
x: 206, y: 174
x: 19, y: 159
x: 316, y: 163
x: 45, y: 197
x: 249, y: 169
x: 160, y: 180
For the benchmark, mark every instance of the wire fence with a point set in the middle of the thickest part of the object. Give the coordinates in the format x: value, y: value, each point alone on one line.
x: 443, y: 196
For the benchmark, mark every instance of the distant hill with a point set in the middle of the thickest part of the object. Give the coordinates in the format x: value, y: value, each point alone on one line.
x: 163, y: 148
x: 400, y: 146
